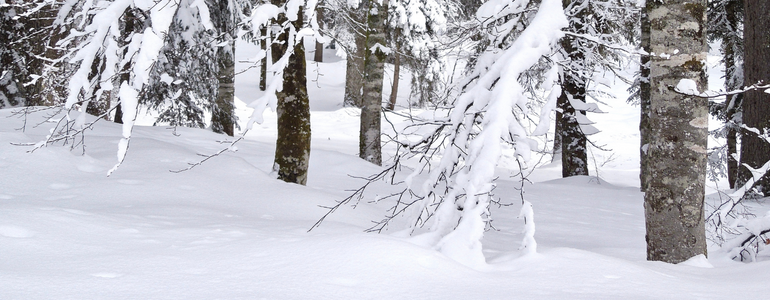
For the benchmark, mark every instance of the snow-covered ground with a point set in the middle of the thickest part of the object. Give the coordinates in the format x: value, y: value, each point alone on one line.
x: 228, y: 230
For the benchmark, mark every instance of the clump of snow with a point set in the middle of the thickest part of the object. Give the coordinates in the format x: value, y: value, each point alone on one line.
x: 699, y: 261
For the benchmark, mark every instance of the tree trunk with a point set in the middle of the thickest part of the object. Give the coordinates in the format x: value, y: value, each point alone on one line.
x: 676, y: 164
x: 292, y: 149
x: 263, y: 65
x: 319, y: 47
x: 732, y: 44
x: 396, y: 74
x: 574, y: 156
x: 222, y: 117
x: 557, y: 137
x: 130, y: 23
x: 644, y: 101
x: 370, y: 147
x: 355, y: 66
x: 756, y: 104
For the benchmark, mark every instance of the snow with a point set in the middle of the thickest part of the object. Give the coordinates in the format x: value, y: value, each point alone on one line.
x: 228, y: 230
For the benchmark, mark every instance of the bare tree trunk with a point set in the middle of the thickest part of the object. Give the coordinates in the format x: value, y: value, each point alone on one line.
x: 756, y: 104
x: 396, y: 73
x: 557, y: 137
x: 676, y: 164
x: 319, y: 47
x: 131, y: 22
x: 222, y: 117
x: 292, y: 149
x: 370, y: 147
x: 355, y: 65
x: 644, y: 101
x: 574, y: 155
x: 263, y: 65
x: 732, y: 44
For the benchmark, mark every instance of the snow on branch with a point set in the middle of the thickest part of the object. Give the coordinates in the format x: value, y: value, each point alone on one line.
x: 263, y: 16
x: 460, y: 151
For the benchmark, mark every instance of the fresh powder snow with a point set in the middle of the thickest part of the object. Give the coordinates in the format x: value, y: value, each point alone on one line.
x: 227, y: 229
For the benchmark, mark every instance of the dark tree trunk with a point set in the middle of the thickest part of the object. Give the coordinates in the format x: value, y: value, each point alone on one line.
x: 644, y: 101
x: 557, y: 137
x: 574, y: 156
x: 756, y: 104
x: 676, y: 161
x: 396, y: 73
x: 263, y: 65
x: 732, y: 49
x: 222, y: 117
x: 355, y: 65
x: 370, y: 147
x: 292, y: 149
x: 319, y: 47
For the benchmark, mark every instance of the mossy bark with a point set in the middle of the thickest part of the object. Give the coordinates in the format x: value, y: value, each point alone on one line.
x: 292, y: 149
x: 676, y: 161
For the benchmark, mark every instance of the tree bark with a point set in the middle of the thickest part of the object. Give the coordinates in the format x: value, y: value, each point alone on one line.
x: 676, y: 164
x: 574, y: 156
x: 319, y: 47
x: 756, y: 104
x: 355, y: 64
x: 644, y: 100
x: 292, y: 149
x: 222, y: 117
x: 263, y: 64
x: 557, y: 137
x: 396, y: 73
x: 370, y: 147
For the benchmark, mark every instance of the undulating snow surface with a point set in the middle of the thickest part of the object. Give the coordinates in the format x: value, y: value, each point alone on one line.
x: 228, y: 230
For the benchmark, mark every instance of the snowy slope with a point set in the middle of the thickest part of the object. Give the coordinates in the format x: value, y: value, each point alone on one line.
x: 228, y: 230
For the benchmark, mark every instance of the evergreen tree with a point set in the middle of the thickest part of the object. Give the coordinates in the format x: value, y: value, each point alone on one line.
x: 183, y: 82
x: 26, y: 30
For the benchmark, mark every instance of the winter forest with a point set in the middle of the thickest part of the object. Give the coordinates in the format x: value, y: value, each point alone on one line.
x: 388, y: 149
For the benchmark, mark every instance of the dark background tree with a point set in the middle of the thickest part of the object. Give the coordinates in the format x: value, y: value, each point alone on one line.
x: 756, y: 104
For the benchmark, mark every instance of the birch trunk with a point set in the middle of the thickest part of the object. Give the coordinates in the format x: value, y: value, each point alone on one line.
x: 676, y: 156
x: 370, y: 147
x: 222, y: 117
